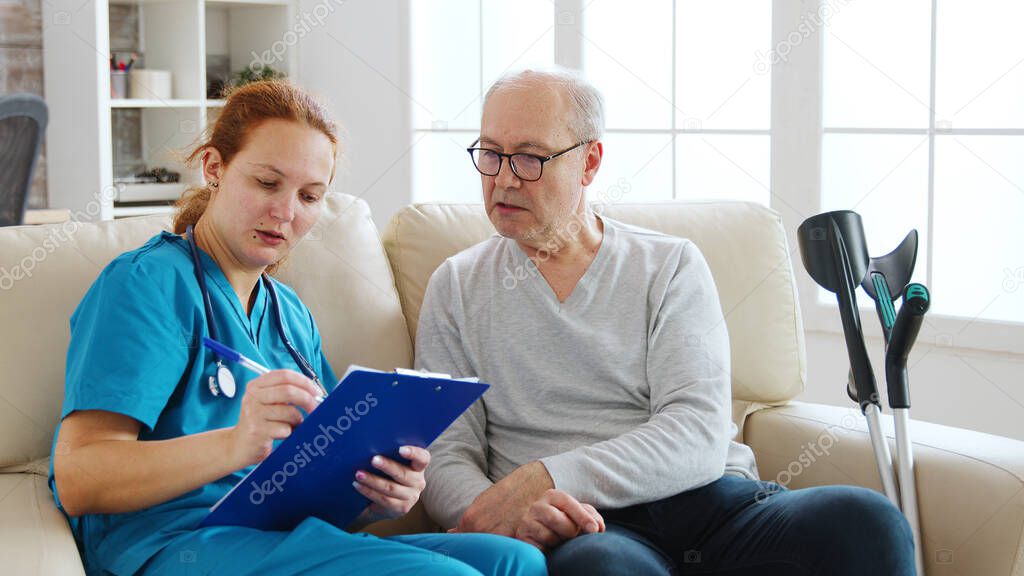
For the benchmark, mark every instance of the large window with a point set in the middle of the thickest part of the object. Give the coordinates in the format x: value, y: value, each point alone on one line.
x: 459, y: 47
x: 909, y: 112
x: 687, y: 100
x: 689, y: 106
x: 923, y: 112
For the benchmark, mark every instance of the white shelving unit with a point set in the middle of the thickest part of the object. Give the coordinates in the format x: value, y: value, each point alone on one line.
x: 176, y: 35
x: 153, y: 103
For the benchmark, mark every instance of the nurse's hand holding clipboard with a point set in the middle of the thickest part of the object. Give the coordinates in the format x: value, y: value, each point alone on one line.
x: 270, y: 410
x: 395, y: 493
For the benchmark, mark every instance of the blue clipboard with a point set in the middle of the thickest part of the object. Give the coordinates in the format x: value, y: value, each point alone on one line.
x: 310, y: 472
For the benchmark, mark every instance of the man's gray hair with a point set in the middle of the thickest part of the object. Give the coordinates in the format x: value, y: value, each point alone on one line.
x: 588, y: 120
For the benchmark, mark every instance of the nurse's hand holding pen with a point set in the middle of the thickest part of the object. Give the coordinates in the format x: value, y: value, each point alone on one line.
x: 269, y: 412
x: 270, y: 405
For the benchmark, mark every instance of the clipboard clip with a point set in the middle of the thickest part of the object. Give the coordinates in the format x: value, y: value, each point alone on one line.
x: 421, y: 373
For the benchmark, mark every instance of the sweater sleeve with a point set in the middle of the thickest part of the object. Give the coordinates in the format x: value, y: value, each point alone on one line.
x: 458, y: 470
x: 685, y: 443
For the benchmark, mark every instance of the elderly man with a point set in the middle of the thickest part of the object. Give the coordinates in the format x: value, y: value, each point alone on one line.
x: 605, y: 440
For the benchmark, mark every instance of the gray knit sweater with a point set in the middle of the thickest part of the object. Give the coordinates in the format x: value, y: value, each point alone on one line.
x: 622, y: 391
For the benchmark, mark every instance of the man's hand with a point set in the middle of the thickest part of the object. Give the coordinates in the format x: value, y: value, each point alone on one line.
x: 499, y: 509
x: 555, y: 518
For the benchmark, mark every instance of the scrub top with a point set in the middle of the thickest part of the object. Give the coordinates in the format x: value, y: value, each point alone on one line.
x: 136, y: 350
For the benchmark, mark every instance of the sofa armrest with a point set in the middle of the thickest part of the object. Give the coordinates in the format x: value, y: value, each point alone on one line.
x: 34, y: 536
x: 970, y: 485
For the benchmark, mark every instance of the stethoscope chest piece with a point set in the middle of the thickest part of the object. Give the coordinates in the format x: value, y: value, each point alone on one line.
x: 224, y: 381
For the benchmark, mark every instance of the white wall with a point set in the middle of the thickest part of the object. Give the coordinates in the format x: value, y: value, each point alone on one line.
x: 948, y: 385
x: 356, y: 61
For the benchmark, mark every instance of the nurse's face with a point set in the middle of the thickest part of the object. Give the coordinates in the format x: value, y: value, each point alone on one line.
x: 271, y: 193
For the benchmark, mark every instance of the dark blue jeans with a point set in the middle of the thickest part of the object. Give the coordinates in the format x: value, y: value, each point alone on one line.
x: 735, y: 526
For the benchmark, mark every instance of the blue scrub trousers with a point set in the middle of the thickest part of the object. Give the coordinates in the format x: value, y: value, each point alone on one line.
x: 735, y: 526
x: 316, y: 547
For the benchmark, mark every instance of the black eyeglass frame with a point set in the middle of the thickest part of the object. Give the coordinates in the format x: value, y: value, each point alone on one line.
x: 502, y: 156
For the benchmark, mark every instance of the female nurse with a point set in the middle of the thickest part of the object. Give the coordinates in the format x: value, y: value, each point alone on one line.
x: 148, y: 441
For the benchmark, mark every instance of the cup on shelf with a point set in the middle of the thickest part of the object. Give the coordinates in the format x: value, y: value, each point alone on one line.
x: 148, y: 84
x: 118, y: 84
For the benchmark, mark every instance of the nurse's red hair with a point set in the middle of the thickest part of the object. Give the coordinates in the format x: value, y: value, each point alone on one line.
x: 245, y: 108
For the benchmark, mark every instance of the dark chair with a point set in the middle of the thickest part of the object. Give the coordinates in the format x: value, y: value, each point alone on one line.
x: 23, y: 119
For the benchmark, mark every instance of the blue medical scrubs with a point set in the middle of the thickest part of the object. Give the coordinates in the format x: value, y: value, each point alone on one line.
x: 135, y: 350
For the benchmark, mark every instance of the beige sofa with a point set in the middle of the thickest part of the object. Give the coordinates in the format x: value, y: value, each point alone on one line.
x: 366, y: 293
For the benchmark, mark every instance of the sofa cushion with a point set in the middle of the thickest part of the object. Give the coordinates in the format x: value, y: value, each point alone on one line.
x: 342, y: 274
x: 339, y: 270
x: 744, y: 244
x: 34, y: 536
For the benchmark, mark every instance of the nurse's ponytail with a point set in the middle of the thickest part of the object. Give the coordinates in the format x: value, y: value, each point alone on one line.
x: 244, y: 109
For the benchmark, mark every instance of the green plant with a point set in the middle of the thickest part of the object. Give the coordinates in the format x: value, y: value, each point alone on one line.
x: 256, y: 73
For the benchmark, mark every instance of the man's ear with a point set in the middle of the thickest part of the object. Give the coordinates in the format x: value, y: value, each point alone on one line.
x: 213, y: 165
x: 595, y: 151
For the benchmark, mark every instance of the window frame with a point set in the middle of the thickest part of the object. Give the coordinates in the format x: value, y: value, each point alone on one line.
x: 569, y: 41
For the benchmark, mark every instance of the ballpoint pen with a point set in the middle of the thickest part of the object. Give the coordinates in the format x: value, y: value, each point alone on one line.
x: 231, y: 355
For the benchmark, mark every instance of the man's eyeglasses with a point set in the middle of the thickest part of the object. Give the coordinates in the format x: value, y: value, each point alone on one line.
x: 528, y: 167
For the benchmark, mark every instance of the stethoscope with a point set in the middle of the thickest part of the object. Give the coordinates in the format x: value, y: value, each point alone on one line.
x: 224, y: 381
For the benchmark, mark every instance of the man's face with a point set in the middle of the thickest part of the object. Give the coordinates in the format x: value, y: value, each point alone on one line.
x: 533, y: 118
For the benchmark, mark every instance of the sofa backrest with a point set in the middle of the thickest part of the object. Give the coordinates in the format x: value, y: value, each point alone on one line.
x: 744, y: 244
x: 340, y: 271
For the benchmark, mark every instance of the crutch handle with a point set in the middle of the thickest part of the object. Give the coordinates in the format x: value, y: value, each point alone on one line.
x: 916, y: 302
